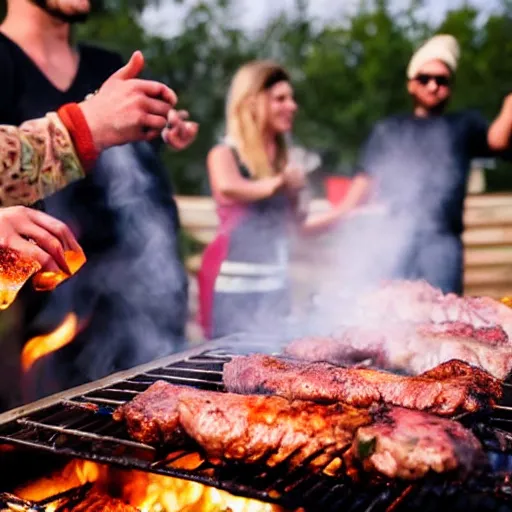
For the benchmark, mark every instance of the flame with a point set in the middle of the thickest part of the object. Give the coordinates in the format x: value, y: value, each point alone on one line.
x: 145, y: 491
x: 507, y: 301
x: 46, y: 281
x: 39, y: 346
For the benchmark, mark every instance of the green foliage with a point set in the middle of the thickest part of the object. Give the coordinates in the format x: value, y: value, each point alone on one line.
x: 347, y: 74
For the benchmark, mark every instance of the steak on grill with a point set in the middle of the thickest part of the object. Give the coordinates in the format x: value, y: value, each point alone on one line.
x: 409, y: 348
x: 152, y: 416
x: 445, y: 391
x: 248, y: 428
x: 271, y: 430
x: 409, y: 444
x: 418, y: 302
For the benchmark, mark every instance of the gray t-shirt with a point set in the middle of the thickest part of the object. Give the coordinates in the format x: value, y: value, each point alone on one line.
x: 421, y: 166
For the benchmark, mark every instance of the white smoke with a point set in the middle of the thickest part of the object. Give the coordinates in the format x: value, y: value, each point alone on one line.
x: 376, y: 244
x: 132, y: 297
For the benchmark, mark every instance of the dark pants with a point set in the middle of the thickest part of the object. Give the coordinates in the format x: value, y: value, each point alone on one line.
x: 373, y: 250
x: 438, y: 258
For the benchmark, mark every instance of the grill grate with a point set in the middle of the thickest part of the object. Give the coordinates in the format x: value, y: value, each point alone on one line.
x: 78, y: 424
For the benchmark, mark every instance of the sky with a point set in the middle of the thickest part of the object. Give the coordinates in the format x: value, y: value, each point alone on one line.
x: 252, y: 14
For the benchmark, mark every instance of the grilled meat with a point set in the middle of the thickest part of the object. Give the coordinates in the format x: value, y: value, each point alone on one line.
x: 272, y: 430
x: 417, y: 302
x: 269, y: 429
x: 329, y: 349
x: 440, y: 393
x: 248, y: 428
x: 152, y: 416
x: 492, y: 335
x: 410, y: 348
x: 409, y: 444
x: 99, y: 502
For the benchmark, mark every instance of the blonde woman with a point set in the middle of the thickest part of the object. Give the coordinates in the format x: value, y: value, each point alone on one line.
x: 243, y: 279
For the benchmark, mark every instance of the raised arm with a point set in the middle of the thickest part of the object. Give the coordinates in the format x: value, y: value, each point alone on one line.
x: 227, y: 183
x: 500, y: 131
x: 44, y: 155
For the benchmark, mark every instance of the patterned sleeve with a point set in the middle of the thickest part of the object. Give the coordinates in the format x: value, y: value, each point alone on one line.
x: 36, y: 160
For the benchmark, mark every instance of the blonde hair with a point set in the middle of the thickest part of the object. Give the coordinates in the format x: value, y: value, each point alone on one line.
x: 246, y: 116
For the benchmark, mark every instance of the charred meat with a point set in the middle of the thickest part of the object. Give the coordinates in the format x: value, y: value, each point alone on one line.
x: 252, y: 429
x: 409, y: 444
x: 272, y: 430
x: 152, y: 416
x: 269, y: 429
x: 446, y: 391
x: 409, y: 348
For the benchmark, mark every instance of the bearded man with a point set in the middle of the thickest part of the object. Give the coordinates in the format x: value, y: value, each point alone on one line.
x: 416, y: 167
x: 131, y: 296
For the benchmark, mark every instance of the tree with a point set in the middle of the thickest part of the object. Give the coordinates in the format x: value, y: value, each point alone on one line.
x: 347, y: 74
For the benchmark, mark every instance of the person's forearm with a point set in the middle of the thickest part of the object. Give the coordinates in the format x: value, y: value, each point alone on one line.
x: 250, y: 191
x: 356, y: 196
x: 499, y: 133
x: 316, y: 224
x: 38, y: 159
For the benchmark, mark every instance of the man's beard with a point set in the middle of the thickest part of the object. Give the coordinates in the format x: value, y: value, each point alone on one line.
x: 437, y: 109
x: 56, y: 13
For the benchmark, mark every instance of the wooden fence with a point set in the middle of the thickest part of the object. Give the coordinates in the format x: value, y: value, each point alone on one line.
x: 487, y: 239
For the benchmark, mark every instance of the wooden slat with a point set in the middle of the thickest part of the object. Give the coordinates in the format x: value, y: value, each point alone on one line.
x: 488, y: 256
x: 487, y: 239
x: 487, y: 290
x: 488, y: 216
x: 488, y: 200
x: 501, y: 274
x: 488, y: 236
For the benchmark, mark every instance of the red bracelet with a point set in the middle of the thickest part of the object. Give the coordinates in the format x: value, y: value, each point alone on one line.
x: 74, y: 120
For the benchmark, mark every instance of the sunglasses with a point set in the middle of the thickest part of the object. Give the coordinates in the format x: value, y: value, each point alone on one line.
x: 440, y: 80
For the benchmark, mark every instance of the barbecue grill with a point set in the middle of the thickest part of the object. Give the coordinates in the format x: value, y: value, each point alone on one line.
x: 78, y: 424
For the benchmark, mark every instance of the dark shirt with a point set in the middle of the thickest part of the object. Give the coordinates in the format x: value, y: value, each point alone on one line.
x: 421, y: 165
x: 132, y: 293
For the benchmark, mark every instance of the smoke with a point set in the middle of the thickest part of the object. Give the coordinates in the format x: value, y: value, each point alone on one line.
x: 407, y: 229
x: 132, y: 293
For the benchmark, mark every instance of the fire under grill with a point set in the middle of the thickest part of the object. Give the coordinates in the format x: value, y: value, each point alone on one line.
x: 78, y: 424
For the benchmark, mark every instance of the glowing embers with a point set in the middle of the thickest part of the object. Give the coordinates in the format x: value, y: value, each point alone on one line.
x: 48, y: 280
x: 15, y: 271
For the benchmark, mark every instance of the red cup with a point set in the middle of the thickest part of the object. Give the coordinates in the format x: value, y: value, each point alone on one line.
x: 336, y: 188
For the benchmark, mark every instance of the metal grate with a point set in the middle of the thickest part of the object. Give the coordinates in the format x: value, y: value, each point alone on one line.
x: 78, y: 424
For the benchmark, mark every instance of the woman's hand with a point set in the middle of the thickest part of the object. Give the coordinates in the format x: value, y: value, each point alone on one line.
x: 179, y: 133
x: 294, y: 179
x: 37, y: 236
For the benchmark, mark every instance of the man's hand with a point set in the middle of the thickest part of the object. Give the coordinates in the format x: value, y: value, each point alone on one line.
x: 37, y: 236
x: 128, y: 109
x: 179, y: 133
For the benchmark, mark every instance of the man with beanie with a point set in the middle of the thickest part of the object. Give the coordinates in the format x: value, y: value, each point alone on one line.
x: 416, y: 166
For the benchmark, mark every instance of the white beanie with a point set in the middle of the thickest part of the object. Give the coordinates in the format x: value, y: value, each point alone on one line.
x: 442, y: 47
